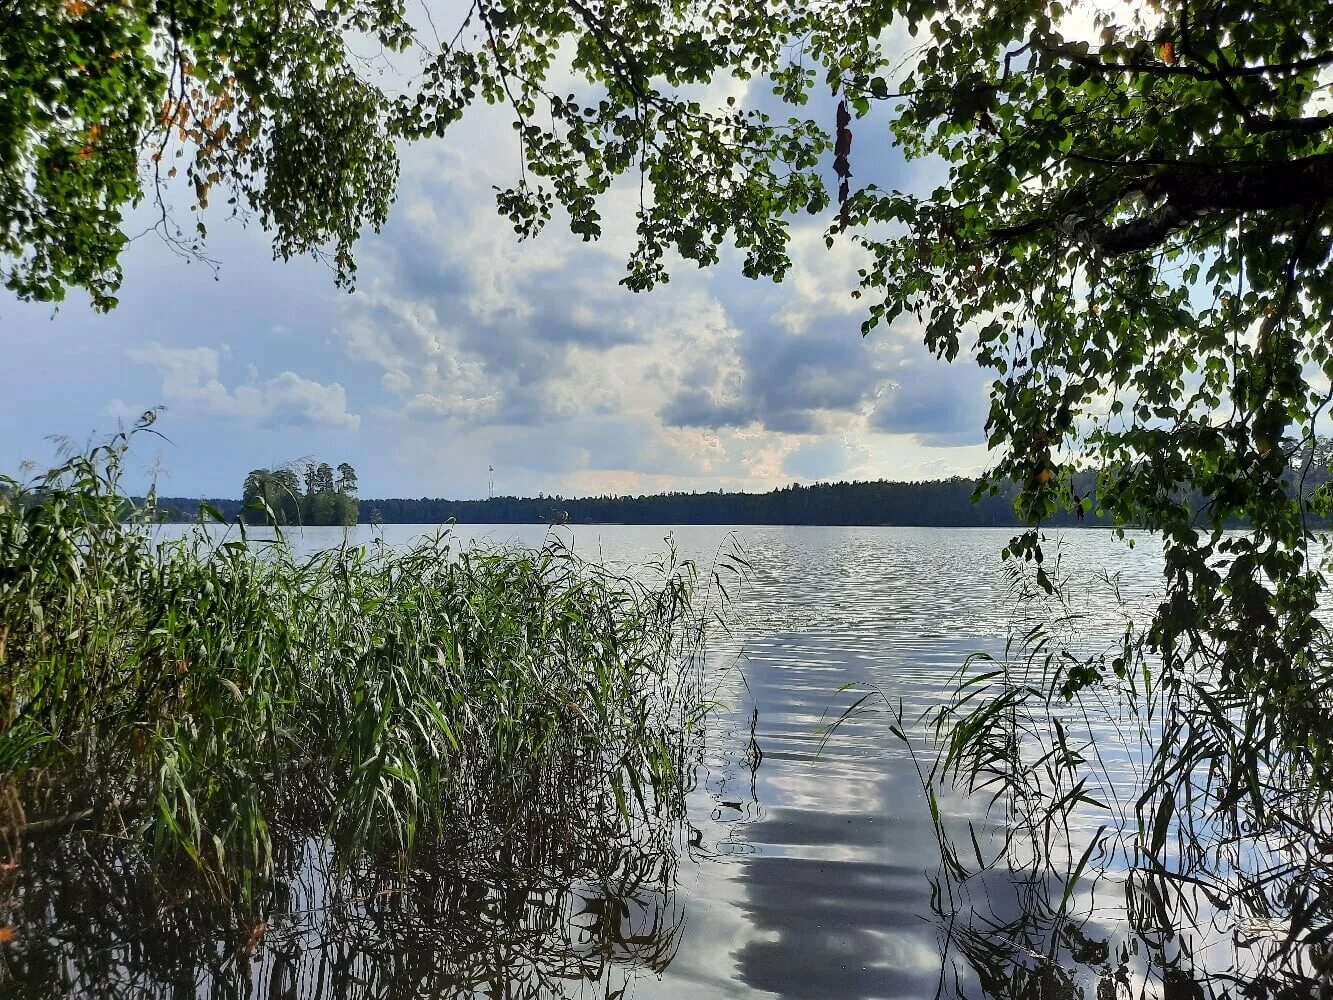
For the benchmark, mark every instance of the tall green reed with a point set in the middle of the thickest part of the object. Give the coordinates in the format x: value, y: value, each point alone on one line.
x: 1129, y: 837
x: 196, y: 694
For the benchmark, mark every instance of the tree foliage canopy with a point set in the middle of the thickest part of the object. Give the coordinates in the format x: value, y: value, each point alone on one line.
x: 271, y: 496
x: 104, y: 103
x: 1131, y: 225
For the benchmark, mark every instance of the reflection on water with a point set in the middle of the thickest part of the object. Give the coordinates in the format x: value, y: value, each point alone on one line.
x: 524, y: 915
x: 804, y: 867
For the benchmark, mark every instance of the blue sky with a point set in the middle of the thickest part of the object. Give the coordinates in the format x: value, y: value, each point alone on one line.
x: 463, y: 348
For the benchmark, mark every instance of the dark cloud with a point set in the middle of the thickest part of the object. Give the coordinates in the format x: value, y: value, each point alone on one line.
x: 699, y: 408
x: 793, y: 422
x: 820, y: 378
x: 833, y: 369
x: 943, y: 407
x: 787, y: 382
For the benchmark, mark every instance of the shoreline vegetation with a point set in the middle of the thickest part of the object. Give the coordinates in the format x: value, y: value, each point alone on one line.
x: 956, y: 502
x: 275, y: 497
x: 941, y: 503
x: 212, y: 707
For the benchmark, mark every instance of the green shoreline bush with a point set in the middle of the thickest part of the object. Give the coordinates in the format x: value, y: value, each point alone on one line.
x: 195, y: 693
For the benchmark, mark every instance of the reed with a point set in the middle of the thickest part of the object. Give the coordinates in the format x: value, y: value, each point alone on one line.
x: 1148, y: 833
x: 1132, y: 837
x: 200, y: 697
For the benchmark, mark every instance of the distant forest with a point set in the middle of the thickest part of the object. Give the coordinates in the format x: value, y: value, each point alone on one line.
x: 944, y: 503
x: 937, y: 503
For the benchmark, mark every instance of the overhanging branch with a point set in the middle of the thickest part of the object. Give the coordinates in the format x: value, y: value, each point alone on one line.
x: 1073, y: 54
x: 1184, y: 194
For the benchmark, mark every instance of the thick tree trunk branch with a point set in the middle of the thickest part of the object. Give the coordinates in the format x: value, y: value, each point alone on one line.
x: 1311, y: 125
x: 1188, y: 192
x: 1202, y: 68
x: 1071, y: 53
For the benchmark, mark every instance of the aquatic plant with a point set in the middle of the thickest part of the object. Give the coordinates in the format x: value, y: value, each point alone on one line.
x: 1128, y: 837
x: 1151, y: 836
x: 213, y: 700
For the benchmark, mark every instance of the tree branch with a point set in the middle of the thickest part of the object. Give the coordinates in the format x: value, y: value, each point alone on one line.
x: 1070, y: 53
x: 1186, y: 193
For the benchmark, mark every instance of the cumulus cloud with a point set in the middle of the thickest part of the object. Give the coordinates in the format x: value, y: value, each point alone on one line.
x: 463, y: 348
x: 819, y: 376
x: 467, y: 326
x: 693, y: 407
x: 475, y: 409
x: 719, y: 380
x: 191, y: 380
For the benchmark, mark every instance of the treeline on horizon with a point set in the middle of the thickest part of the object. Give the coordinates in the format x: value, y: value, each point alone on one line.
x: 935, y: 503
x: 932, y: 503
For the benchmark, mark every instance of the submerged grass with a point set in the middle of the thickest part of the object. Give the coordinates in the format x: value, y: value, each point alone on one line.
x: 195, y: 696
x: 1133, y: 838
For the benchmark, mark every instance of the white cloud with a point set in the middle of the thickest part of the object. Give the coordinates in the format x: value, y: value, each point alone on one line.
x: 191, y: 382
x: 464, y: 347
x: 451, y: 407
x: 535, y: 357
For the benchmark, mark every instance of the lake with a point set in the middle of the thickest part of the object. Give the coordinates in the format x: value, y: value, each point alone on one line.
x: 804, y: 867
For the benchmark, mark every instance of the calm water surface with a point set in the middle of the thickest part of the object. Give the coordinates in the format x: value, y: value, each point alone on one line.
x: 803, y: 871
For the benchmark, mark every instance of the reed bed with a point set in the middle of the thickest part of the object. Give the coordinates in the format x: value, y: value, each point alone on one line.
x: 203, y: 700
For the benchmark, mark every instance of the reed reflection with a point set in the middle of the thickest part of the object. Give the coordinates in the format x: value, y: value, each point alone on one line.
x: 575, y: 899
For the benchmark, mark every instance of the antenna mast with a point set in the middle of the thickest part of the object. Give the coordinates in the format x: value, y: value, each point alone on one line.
x: 490, y: 493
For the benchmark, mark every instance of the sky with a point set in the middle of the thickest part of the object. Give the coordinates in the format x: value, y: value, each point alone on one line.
x: 463, y: 348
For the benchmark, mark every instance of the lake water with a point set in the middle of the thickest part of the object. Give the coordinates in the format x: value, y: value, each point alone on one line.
x: 805, y: 868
